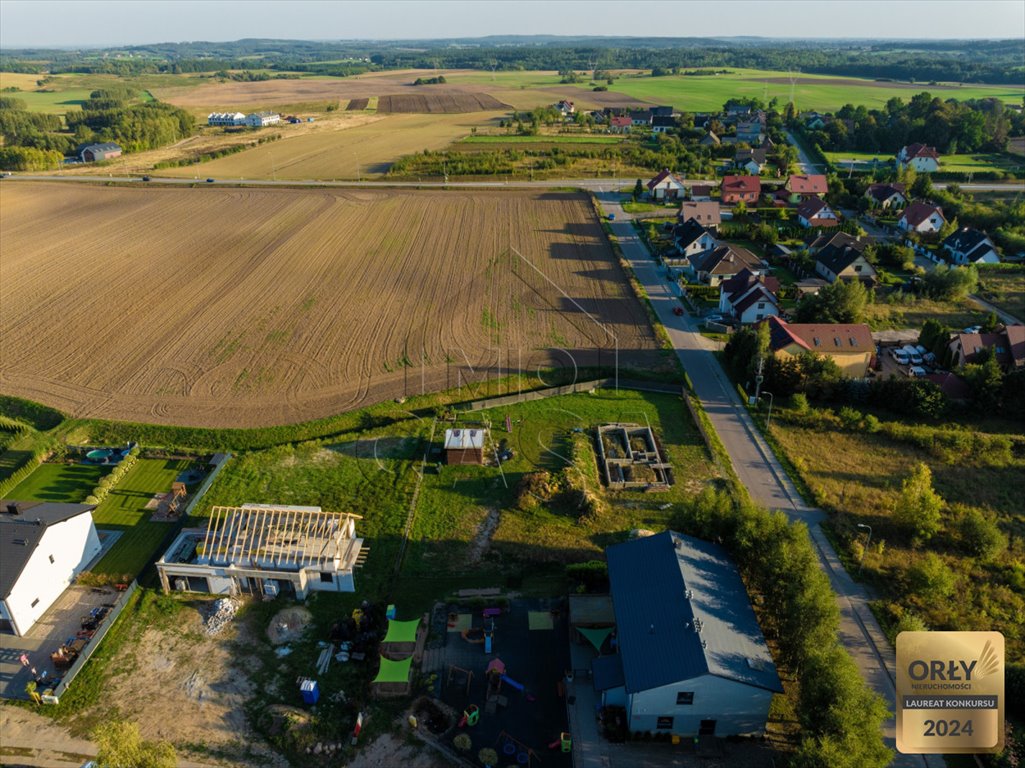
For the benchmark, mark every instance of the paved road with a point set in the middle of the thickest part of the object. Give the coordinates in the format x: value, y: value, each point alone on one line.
x: 761, y: 473
x: 592, y: 185
x: 803, y: 159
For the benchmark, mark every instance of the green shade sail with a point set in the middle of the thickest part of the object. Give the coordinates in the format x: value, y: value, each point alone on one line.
x: 596, y: 636
x: 401, y: 631
x: 394, y: 671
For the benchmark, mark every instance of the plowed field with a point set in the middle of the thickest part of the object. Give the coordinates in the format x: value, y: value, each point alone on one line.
x: 439, y: 103
x: 219, y: 307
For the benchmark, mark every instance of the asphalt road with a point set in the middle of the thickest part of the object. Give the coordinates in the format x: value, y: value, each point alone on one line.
x: 760, y: 472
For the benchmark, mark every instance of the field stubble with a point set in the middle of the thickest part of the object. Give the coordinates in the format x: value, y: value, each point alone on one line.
x: 217, y: 307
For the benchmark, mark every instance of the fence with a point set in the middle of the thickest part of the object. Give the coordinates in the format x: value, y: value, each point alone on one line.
x: 92, y: 645
x: 569, y: 389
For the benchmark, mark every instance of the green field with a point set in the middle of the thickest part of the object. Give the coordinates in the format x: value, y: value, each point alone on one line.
x: 59, y: 482
x: 125, y: 510
x: 710, y: 92
x: 1004, y: 286
x: 961, y: 163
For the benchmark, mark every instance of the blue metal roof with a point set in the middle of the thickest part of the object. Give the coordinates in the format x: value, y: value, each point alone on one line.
x: 682, y: 611
x: 607, y: 672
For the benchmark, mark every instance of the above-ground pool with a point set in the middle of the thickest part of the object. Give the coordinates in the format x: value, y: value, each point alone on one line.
x: 100, y: 454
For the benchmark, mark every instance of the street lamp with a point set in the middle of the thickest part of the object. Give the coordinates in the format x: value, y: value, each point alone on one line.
x: 868, y: 528
x: 768, y: 419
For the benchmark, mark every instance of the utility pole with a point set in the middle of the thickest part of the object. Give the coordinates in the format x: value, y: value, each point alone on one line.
x: 759, y: 378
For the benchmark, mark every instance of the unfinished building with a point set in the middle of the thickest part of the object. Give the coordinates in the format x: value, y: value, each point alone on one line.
x: 630, y: 458
x: 265, y: 549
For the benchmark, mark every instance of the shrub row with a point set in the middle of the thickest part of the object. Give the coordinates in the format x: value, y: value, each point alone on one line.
x: 109, y: 481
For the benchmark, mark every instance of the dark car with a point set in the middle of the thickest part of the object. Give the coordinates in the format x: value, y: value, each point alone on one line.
x: 209, y: 181
x: 145, y: 178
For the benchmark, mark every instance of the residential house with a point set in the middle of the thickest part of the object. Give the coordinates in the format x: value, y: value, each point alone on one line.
x: 262, y: 119
x: 802, y: 186
x: 735, y: 111
x: 920, y: 157
x: 619, y: 124
x: 226, y: 118
x: 95, y: 153
x: 814, y: 121
x: 566, y: 108
x: 737, y: 189
x: 691, y: 658
x: 706, y: 213
x: 886, y: 195
x: 971, y: 246
x: 814, y: 212
x: 264, y: 549
x: 842, y: 257
x: 691, y: 239
x: 1008, y: 346
x: 710, y: 140
x: 640, y: 117
x: 666, y: 185
x: 662, y: 123
x: 922, y: 217
x: 750, y: 132
x: 701, y: 192
x: 748, y: 297
x: 952, y: 385
x: 723, y: 262
x: 662, y: 110
x: 849, y: 345
x: 43, y: 547
x: 750, y: 160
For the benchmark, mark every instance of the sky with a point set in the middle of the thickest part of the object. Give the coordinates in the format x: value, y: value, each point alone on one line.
x: 73, y: 23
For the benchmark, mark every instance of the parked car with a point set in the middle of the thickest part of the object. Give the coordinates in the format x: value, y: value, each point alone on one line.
x: 929, y: 358
x: 899, y: 356
x: 913, y: 354
x: 678, y: 311
x: 145, y: 178
x: 972, y: 329
x: 916, y: 370
x: 209, y: 181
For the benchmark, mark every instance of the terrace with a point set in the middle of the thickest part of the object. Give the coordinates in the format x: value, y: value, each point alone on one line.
x: 629, y: 457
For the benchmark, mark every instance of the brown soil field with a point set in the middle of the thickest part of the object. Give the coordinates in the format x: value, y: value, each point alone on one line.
x: 252, y: 307
x: 585, y: 97
x: 439, y: 103
x: 357, y: 104
x: 343, y: 147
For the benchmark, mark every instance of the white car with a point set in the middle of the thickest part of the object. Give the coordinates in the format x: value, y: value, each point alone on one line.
x: 899, y: 356
x: 916, y: 370
x: 972, y: 329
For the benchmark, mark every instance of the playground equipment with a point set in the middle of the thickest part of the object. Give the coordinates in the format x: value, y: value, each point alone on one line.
x: 489, y: 635
x: 509, y: 681
x: 511, y: 747
x: 564, y: 742
x: 468, y: 674
x: 471, y: 716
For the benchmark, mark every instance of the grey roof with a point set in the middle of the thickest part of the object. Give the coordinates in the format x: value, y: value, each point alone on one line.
x: 839, y: 251
x: 106, y: 146
x: 666, y: 586
x: 463, y: 439
x: 20, y: 534
x: 663, y: 121
x: 966, y: 240
x: 689, y: 232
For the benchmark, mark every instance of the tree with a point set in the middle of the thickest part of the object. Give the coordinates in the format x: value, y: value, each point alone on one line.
x: 948, y: 228
x: 950, y: 283
x: 931, y: 579
x: 921, y: 187
x: 980, y: 535
x: 918, y: 507
x: 841, y: 302
x: 638, y: 190
x: 740, y: 209
x: 985, y: 380
x: 991, y: 322
x: 120, y: 745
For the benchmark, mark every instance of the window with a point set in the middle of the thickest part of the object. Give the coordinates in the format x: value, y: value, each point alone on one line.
x: 761, y: 305
x: 35, y: 602
x: 684, y: 697
x: 327, y: 577
x: 664, y: 723
x: 857, y: 267
x: 52, y: 561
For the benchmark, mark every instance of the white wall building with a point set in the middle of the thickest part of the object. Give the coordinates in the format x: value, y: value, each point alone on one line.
x: 226, y: 118
x: 262, y: 119
x: 43, y: 547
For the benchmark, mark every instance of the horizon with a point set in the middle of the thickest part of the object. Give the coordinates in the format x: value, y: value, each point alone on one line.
x: 28, y: 24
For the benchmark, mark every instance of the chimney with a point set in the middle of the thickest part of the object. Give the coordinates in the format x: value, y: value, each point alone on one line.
x: 12, y: 508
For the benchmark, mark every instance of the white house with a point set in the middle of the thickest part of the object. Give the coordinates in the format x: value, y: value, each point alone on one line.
x: 920, y: 157
x: 922, y: 217
x: 971, y: 246
x: 886, y: 195
x: 566, y: 108
x: 265, y: 549
x: 750, y: 160
x: 691, y: 239
x: 749, y: 297
x: 692, y: 660
x: 666, y: 186
x: 226, y: 118
x: 815, y: 212
x: 262, y: 119
x: 43, y: 547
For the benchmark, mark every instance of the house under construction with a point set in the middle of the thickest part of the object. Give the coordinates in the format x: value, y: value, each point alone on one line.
x: 265, y: 549
x: 630, y: 458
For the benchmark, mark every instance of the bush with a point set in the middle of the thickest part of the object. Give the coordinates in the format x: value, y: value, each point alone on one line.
x: 911, y: 622
x: 931, y: 579
x: 980, y: 535
x: 917, y: 510
x: 800, y: 402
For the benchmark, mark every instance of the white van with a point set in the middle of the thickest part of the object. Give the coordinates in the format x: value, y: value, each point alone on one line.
x: 899, y: 356
x: 916, y: 371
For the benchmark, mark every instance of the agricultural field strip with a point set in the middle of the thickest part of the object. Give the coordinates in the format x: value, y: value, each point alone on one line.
x: 259, y: 323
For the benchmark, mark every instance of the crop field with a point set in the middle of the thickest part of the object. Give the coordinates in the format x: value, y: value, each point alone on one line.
x: 218, y: 307
x: 441, y: 102
x: 708, y: 92
x: 333, y: 150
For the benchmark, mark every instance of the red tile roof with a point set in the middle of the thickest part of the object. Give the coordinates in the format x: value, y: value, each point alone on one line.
x: 918, y: 212
x: 664, y: 174
x: 882, y: 192
x: 920, y: 150
x: 620, y: 122
x: 821, y: 337
x: 808, y: 185
x: 742, y: 184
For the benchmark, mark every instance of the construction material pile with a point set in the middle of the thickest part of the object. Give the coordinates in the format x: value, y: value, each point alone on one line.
x: 224, y: 611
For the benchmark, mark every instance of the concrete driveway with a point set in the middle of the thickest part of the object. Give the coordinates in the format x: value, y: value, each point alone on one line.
x: 760, y: 472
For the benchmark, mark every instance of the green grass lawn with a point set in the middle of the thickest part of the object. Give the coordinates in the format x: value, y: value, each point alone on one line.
x: 125, y: 510
x: 59, y: 482
x: 56, y: 102
x: 961, y: 163
x: 554, y: 138
x: 707, y: 92
x: 914, y: 311
x: 632, y: 206
x: 1004, y: 287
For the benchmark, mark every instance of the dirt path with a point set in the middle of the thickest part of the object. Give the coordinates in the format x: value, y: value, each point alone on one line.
x: 481, y: 542
x: 389, y: 752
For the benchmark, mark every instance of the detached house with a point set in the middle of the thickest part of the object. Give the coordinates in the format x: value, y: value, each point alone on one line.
x: 748, y: 297
x: 741, y: 188
x: 691, y: 239
x: 849, y: 345
x: 751, y: 131
x: 619, y: 124
x: 710, y: 140
x: 886, y: 195
x: 922, y: 217
x: 814, y: 212
x: 920, y: 157
x: 842, y: 257
x: 802, y: 187
x: 566, y: 108
x: 640, y: 117
x: 1008, y: 347
x: 691, y: 658
x: 971, y: 246
x: 666, y: 186
x: 706, y: 213
x: 750, y: 160
x: 701, y: 192
x: 662, y: 123
x: 723, y: 262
